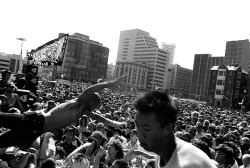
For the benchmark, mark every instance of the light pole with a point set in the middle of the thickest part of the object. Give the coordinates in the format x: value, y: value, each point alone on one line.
x: 22, y: 40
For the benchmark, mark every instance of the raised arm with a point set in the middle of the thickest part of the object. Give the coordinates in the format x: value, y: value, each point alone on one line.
x: 98, y: 87
x: 104, y: 120
x: 78, y: 150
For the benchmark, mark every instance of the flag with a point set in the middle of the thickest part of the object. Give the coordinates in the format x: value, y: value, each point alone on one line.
x: 51, y: 53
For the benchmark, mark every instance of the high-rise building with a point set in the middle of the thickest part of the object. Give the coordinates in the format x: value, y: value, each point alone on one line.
x: 201, y: 74
x: 238, y: 53
x: 180, y: 80
x: 85, y: 60
x: 137, y: 46
x: 226, y: 86
x: 170, y: 48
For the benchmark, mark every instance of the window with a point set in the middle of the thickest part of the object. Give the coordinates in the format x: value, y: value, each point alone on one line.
x: 239, y: 74
x: 236, y: 94
x: 221, y: 73
x: 214, y: 73
x: 220, y: 82
x: 237, y: 84
x: 230, y: 73
x: 218, y: 92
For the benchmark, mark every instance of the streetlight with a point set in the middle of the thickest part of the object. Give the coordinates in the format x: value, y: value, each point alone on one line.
x: 22, y: 40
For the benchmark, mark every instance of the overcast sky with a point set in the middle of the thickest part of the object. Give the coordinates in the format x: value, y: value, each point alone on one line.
x: 195, y: 26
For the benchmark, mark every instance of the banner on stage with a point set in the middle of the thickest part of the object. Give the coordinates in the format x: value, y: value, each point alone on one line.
x: 51, y: 53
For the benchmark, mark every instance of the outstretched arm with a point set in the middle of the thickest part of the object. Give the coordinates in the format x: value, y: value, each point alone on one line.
x: 104, y: 120
x: 78, y: 150
x: 98, y: 87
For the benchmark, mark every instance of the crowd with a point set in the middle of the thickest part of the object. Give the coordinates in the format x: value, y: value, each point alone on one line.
x: 119, y: 134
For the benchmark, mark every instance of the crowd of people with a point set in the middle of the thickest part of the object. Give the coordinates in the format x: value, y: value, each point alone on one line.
x: 82, y: 128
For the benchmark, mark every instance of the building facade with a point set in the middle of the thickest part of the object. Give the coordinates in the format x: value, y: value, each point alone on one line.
x: 136, y: 75
x: 139, y: 47
x: 170, y: 48
x: 12, y: 62
x: 201, y: 74
x: 170, y: 77
x: 85, y: 60
x: 180, y: 81
x: 110, y: 72
x: 227, y: 85
x: 238, y: 53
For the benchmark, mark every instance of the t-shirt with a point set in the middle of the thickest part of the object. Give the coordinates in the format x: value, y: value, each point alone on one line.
x: 186, y: 155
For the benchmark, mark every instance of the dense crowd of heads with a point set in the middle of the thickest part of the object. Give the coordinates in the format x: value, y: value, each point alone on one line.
x: 223, y: 134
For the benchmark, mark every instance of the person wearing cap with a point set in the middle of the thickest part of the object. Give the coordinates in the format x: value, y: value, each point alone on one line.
x: 31, y: 124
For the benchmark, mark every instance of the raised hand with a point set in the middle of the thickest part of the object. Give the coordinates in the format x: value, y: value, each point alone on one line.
x: 116, y: 83
x: 98, y: 87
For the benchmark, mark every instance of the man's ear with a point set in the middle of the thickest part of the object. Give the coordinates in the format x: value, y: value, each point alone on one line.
x: 168, y: 129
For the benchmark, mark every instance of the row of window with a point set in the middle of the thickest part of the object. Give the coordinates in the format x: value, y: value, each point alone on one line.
x: 136, y: 58
x: 162, y: 63
x: 233, y: 49
x: 163, y: 67
x: 233, y: 53
x: 223, y: 73
x: 144, y: 50
x: 227, y: 93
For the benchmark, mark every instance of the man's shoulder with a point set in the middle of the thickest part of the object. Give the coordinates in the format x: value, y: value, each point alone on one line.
x: 191, y: 156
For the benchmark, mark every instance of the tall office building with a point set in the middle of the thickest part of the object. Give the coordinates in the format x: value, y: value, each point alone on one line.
x: 201, y: 74
x: 137, y: 46
x: 238, y: 53
x: 170, y: 48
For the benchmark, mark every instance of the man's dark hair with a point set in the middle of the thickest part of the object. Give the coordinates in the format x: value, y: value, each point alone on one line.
x: 160, y: 104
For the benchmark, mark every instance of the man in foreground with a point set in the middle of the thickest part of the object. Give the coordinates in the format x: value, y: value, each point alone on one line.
x: 155, y: 119
x: 25, y: 128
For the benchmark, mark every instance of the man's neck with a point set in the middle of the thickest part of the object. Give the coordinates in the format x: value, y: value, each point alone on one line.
x: 167, y: 150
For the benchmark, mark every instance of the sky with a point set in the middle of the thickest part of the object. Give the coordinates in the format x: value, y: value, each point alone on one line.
x: 194, y: 26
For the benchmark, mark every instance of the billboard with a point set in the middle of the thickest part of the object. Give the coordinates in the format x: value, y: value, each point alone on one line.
x: 51, y: 53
